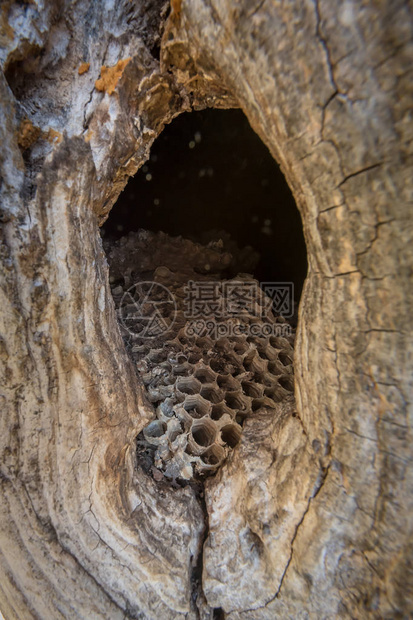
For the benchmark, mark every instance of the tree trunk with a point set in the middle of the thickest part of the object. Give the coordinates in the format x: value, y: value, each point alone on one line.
x: 311, y: 517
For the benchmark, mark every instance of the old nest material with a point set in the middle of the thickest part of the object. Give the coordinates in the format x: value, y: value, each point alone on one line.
x: 205, y: 368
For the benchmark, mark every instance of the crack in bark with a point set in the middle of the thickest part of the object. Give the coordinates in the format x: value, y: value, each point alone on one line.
x: 324, y: 108
x: 342, y: 274
x: 323, y: 42
x: 348, y: 430
x: 365, y: 169
x: 369, y: 247
x: 322, y: 480
x: 327, y: 209
x: 318, y: 489
x: 197, y: 590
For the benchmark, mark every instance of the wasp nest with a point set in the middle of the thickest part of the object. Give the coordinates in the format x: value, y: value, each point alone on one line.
x: 204, y: 372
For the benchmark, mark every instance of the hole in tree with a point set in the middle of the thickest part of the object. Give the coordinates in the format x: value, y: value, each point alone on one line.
x: 210, y: 176
x: 211, y: 180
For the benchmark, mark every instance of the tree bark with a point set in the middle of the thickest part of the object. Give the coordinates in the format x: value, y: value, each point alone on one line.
x: 311, y: 517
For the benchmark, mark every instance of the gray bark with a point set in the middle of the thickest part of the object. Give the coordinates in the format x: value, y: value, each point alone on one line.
x: 312, y: 515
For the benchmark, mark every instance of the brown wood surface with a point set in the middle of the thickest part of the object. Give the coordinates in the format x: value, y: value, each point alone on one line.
x: 312, y: 518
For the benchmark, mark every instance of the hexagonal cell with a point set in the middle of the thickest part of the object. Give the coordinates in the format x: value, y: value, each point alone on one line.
x: 154, y: 431
x: 287, y: 383
x: 254, y: 376
x: 204, y: 343
x: 219, y: 410
x: 196, y: 406
x: 180, y: 397
x: 278, y: 342
x: 257, y: 403
x: 212, y: 393
x: 166, y: 366
x: 228, y: 383
x: 270, y: 352
x: 184, y: 339
x: 177, y: 358
x: 194, y: 357
x: 213, y: 456
x: 217, y: 364
x: 276, y: 393
x: 223, y: 345
x: 182, y: 370
x: 231, y: 434
x: 262, y: 350
x: 173, y: 351
x: 253, y: 363
x: 183, y: 416
x: 202, y: 435
x: 241, y: 347
x: 168, y: 380
x: 285, y: 358
x: 188, y: 385
x: 232, y: 360
x: 205, y: 374
x: 275, y: 367
x: 157, y: 355
x: 252, y: 389
x: 237, y: 401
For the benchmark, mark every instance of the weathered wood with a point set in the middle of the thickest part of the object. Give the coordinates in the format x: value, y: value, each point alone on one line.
x: 327, y: 86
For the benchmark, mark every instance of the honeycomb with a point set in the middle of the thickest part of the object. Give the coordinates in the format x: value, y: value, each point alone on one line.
x: 202, y: 384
